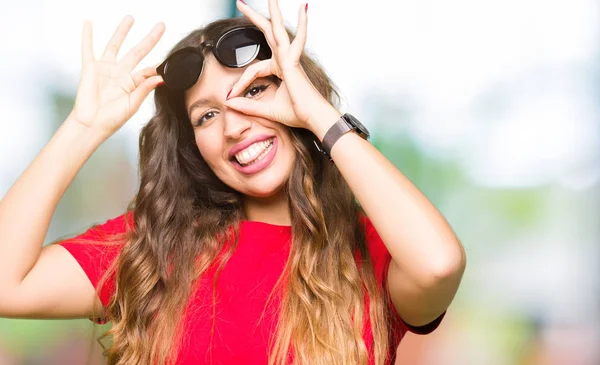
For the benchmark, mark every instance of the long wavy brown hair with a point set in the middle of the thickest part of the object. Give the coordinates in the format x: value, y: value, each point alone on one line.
x: 183, y: 217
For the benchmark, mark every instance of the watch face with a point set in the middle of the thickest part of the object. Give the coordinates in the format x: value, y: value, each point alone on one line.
x: 355, y: 122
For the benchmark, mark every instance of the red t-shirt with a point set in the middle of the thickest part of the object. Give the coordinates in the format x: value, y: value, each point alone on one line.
x: 242, y: 291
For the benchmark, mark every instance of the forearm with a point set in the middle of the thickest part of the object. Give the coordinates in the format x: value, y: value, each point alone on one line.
x: 27, y: 208
x: 417, y: 236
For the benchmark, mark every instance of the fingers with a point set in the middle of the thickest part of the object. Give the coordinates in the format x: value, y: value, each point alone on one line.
x: 115, y: 43
x: 251, y: 107
x: 260, y: 21
x: 301, y: 32
x: 87, y: 50
x: 274, y: 29
x: 140, y: 76
x: 136, y: 54
x: 279, y: 32
x: 142, y: 91
x: 252, y: 72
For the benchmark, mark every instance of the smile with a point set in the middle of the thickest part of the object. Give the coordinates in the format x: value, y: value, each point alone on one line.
x: 256, y: 157
x: 254, y: 153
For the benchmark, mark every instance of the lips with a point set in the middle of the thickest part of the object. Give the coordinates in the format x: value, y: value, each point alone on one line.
x: 253, y: 153
x: 246, y: 143
x: 258, y: 165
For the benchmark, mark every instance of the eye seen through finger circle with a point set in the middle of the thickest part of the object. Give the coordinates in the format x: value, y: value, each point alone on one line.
x: 255, y: 90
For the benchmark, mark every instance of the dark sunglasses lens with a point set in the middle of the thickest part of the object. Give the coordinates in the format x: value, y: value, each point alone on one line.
x: 240, y: 47
x: 183, y: 69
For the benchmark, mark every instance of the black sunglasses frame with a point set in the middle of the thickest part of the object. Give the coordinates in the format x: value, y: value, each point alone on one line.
x: 162, y: 68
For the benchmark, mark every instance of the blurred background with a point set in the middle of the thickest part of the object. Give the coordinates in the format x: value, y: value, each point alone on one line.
x: 491, y: 108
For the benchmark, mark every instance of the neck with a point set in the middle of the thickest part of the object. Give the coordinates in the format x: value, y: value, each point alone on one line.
x: 273, y: 209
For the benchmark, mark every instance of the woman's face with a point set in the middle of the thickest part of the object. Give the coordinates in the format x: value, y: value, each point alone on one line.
x: 252, y: 155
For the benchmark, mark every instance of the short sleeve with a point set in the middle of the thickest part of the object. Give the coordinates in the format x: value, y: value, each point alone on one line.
x: 96, y: 249
x: 381, y: 262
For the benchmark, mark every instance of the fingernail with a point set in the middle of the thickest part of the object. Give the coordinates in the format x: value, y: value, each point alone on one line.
x: 243, y: 2
x: 306, y: 8
x: 229, y: 93
x: 160, y: 83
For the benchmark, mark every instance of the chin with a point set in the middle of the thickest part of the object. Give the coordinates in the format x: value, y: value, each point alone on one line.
x: 261, y: 194
x: 264, y: 188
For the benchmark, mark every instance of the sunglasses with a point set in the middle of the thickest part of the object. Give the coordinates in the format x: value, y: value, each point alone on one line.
x: 236, y: 48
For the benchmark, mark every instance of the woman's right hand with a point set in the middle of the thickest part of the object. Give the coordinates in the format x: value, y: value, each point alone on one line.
x: 109, y: 93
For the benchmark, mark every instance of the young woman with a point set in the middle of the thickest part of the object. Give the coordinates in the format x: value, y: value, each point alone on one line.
x: 266, y: 228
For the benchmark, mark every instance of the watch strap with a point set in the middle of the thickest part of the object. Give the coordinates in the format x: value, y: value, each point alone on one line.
x: 334, y: 133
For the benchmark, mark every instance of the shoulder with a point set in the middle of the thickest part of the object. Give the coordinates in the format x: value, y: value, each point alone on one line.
x: 117, y: 225
x: 113, y: 227
x: 100, y: 243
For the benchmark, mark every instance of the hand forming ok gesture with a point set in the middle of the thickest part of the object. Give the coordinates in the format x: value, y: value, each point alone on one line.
x: 297, y: 101
x: 108, y: 93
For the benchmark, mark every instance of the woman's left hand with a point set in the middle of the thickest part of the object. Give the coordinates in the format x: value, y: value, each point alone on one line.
x: 296, y: 101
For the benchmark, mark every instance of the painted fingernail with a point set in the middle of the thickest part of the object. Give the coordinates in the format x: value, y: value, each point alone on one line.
x: 306, y: 8
x: 243, y: 2
x: 229, y: 93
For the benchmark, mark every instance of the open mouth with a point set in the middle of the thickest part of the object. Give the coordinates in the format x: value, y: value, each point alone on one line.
x: 253, y: 153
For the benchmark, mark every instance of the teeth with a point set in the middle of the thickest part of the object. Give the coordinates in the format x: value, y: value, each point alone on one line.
x: 254, y: 152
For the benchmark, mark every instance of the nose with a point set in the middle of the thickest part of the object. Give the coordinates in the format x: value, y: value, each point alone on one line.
x: 235, y: 124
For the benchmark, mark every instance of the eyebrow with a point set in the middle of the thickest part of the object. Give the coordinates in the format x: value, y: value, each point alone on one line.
x: 196, y: 104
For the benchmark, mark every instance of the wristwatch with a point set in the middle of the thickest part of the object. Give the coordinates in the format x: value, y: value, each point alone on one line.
x: 344, y: 125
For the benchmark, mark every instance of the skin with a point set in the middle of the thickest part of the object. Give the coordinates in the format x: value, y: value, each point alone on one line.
x: 428, y: 259
x: 217, y: 128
